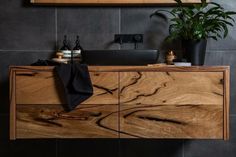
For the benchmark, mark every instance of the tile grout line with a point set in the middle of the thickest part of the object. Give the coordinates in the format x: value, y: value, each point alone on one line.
x: 56, y: 31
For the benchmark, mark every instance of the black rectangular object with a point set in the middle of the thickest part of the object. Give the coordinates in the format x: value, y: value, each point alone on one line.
x: 119, y: 57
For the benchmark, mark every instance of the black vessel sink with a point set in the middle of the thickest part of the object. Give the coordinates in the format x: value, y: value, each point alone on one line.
x: 119, y: 57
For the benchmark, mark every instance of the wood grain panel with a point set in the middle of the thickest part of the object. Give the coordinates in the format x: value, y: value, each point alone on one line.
x: 105, y: 85
x: 43, y: 87
x: 171, y: 121
x: 156, y: 68
x: 171, y: 88
x: 50, y: 121
x: 12, y: 95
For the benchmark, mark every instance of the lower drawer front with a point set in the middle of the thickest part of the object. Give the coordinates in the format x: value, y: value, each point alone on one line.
x: 50, y: 121
x: 171, y: 121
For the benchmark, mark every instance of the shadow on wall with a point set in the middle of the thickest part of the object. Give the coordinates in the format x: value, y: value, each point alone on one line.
x: 4, y: 94
x: 150, y: 148
x: 120, y: 148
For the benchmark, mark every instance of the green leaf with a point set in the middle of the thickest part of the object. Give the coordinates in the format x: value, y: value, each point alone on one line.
x: 198, y: 21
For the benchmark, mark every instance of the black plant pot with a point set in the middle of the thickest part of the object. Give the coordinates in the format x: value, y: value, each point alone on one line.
x: 194, y: 51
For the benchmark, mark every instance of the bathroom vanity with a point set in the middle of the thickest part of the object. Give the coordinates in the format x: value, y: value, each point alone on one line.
x: 128, y: 102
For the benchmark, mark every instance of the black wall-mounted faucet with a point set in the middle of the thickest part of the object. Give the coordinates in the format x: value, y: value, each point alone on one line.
x: 128, y: 38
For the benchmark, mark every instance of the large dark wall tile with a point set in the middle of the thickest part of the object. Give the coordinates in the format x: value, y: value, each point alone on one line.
x: 229, y: 42
x: 15, y: 58
x: 5, y: 148
x: 34, y: 147
x: 216, y: 148
x: 229, y: 58
x: 137, y: 20
x: 95, y: 26
x: 150, y: 148
x: 88, y: 148
x: 155, y: 30
x: 4, y: 127
x: 213, y: 58
x: 25, y: 27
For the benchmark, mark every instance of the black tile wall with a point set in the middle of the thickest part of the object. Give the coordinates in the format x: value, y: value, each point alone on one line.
x: 88, y: 148
x: 33, y: 147
x: 24, y: 27
x: 96, y: 26
x: 4, y: 125
x: 28, y: 33
x: 229, y: 42
x: 218, y: 148
x: 150, y: 148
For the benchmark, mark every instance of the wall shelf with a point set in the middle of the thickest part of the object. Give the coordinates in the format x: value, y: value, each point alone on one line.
x: 110, y: 2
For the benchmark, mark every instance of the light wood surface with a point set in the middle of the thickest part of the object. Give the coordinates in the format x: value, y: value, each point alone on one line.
x: 226, y: 103
x: 12, y: 95
x: 129, y: 102
x: 110, y: 1
x: 50, y: 121
x: 35, y: 87
x: 156, y: 68
x: 171, y: 88
x: 171, y: 121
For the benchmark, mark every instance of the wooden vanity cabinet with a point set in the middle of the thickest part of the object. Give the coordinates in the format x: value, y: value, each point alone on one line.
x: 128, y: 102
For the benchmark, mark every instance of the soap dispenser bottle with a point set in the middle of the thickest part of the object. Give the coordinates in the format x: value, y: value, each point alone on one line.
x: 77, y: 49
x: 65, y: 49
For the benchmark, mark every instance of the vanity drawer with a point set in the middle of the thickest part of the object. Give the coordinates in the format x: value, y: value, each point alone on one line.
x: 51, y: 121
x: 44, y: 87
x: 171, y: 121
x: 171, y: 88
x: 171, y: 105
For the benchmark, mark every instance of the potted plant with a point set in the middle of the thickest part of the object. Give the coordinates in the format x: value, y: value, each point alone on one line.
x: 195, y: 24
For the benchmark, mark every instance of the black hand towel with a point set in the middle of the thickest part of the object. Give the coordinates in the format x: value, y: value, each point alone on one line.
x: 76, y: 82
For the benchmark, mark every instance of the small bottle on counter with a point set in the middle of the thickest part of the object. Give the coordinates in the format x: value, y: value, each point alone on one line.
x: 170, y: 56
x: 77, y: 49
x: 65, y: 49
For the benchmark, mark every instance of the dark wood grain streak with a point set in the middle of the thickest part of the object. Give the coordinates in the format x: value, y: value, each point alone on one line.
x: 170, y: 121
x: 172, y: 88
x: 145, y: 95
x: 135, y: 80
x: 161, y: 120
x: 87, y: 121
